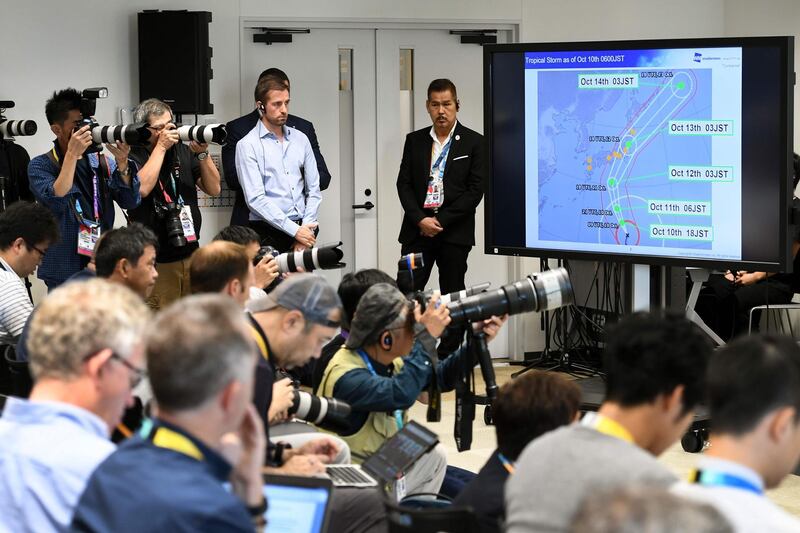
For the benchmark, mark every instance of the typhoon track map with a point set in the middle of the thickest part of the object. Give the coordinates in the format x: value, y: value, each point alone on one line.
x: 634, y: 151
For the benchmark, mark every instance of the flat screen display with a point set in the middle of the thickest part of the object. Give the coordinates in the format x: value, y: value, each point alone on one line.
x: 659, y: 152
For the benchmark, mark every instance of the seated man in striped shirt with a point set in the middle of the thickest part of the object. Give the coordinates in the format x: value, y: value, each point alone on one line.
x: 26, y: 231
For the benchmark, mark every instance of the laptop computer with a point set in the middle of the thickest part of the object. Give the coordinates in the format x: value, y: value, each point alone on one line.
x: 390, y: 462
x: 297, y: 504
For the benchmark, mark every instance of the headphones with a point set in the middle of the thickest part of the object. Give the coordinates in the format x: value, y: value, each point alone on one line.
x: 386, y: 341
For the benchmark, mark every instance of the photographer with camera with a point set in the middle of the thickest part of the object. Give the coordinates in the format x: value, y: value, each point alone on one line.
x: 290, y: 325
x: 170, y: 174
x: 79, y: 188
x: 386, y: 364
x: 265, y: 270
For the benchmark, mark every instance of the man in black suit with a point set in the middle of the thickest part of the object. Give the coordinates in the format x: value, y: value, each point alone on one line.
x: 440, y: 185
x: 240, y: 127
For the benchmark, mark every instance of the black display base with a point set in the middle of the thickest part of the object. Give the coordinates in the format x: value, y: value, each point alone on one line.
x: 593, y: 392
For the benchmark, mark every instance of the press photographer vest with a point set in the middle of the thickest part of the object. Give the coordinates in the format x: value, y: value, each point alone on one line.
x: 379, y: 425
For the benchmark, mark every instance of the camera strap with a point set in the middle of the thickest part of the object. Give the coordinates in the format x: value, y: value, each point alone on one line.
x: 398, y: 413
x: 96, y: 187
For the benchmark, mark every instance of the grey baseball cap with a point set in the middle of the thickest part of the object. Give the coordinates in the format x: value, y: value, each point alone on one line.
x: 380, y: 308
x: 308, y: 293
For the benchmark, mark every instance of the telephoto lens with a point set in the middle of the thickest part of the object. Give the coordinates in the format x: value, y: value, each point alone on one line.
x: 405, y: 271
x: 424, y: 297
x: 16, y: 128
x: 133, y: 134
x: 326, y: 413
x: 411, y: 262
x: 542, y: 291
x: 208, y: 133
x: 326, y: 257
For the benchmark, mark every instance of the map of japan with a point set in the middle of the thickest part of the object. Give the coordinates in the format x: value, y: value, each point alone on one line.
x: 625, y: 157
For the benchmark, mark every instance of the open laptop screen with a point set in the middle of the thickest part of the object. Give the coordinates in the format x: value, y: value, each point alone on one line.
x: 401, y: 451
x: 296, y: 505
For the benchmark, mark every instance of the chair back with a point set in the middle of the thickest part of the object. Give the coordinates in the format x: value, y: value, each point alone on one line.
x: 448, y: 519
x: 19, y: 372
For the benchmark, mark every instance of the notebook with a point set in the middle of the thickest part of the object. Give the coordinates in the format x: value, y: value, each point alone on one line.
x: 390, y: 462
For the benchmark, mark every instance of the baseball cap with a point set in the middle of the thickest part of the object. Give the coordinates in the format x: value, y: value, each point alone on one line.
x: 308, y: 293
x: 381, y: 308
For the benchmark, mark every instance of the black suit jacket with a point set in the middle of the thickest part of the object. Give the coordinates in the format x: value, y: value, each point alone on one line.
x: 240, y: 127
x: 464, y: 178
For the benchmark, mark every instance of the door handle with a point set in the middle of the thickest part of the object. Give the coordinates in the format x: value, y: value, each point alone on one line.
x: 366, y: 205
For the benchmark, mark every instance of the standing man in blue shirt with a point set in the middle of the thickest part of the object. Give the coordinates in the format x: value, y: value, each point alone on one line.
x: 86, y: 358
x: 79, y: 188
x: 278, y: 173
x: 241, y: 126
x: 201, y: 362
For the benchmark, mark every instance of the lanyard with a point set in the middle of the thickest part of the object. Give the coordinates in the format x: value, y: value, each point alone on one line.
x: 398, y: 413
x: 606, y: 426
x: 262, y: 345
x: 508, y: 465
x: 712, y: 478
x: 172, y: 440
x: 95, y: 191
x: 441, y: 160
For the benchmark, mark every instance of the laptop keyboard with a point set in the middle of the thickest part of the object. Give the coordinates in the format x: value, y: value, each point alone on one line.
x: 344, y: 475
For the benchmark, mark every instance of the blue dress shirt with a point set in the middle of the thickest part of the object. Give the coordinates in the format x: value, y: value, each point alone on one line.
x: 280, y: 180
x: 145, y: 488
x: 62, y: 259
x: 48, y: 450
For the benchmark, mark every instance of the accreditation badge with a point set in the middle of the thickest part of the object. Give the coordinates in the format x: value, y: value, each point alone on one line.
x: 88, y: 235
x: 434, y: 198
x: 188, y: 224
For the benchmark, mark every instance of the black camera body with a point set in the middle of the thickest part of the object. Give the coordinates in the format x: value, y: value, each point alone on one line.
x: 264, y: 251
x: 88, y: 107
x: 170, y: 213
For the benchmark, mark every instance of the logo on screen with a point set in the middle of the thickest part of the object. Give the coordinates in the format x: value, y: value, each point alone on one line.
x: 698, y: 57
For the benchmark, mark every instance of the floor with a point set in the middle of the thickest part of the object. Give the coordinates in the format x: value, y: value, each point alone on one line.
x: 787, y: 495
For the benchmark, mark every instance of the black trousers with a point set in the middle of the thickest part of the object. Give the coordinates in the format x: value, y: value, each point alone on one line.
x: 725, y: 308
x: 272, y: 236
x: 452, y: 262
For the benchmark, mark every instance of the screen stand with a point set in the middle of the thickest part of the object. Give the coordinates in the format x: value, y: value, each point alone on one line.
x: 698, y: 277
x: 641, y: 288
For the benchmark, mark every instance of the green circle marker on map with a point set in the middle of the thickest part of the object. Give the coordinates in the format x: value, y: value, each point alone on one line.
x: 612, y: 182
x: 680, y: 85
x: 628, y: 145
x: 621, y: 223
x: 617, y: 209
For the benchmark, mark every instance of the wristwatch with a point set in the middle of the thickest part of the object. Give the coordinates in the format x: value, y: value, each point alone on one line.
x: 201, y: 156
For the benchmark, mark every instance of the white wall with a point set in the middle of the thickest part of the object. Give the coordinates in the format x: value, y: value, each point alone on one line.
x: 771, y: 17
x: 52, y: 45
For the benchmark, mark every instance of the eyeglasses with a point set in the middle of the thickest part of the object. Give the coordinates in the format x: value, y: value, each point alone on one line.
x: 159, y: 127
x: 137, y: 375
x: 36, y: 248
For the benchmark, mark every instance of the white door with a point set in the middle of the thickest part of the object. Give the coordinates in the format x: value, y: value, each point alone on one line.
x: 401, y: 109
x: 344, y: 119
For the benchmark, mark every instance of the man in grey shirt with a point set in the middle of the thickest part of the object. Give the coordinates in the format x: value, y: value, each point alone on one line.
x: 656, y: 366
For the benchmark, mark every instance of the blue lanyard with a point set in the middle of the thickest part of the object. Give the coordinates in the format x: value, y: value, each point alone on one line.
x: 398, y: 413
x: 441, y: 157
x: 721, y: 479
x: 508, y: 465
